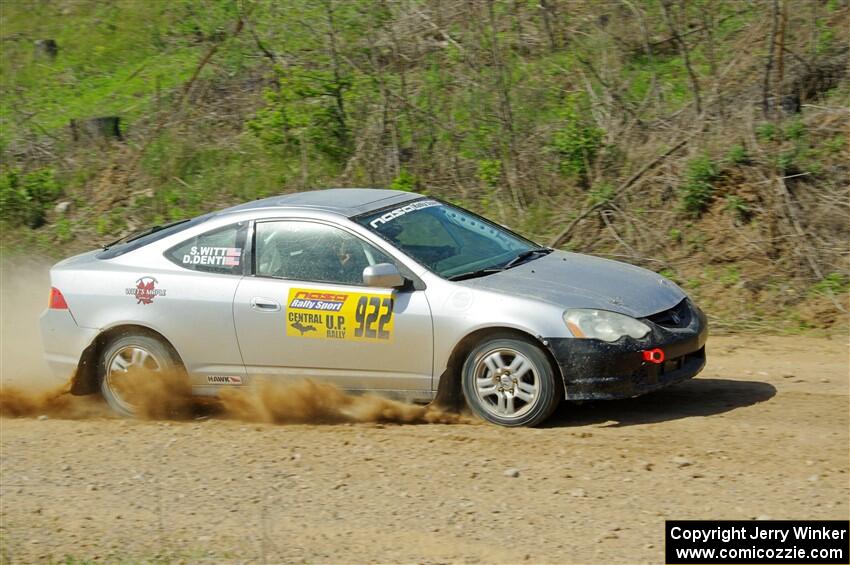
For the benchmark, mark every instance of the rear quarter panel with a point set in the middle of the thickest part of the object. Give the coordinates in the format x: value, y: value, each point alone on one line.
x: 192, y: 310
x: 63, y: 341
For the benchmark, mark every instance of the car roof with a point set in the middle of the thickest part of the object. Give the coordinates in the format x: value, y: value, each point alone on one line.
x: 346, y: 201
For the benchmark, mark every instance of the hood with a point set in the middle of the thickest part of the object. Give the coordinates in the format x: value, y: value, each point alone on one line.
x: 583, y: 281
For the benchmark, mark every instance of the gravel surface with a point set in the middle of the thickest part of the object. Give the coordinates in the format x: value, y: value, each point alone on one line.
x: 761, y: 434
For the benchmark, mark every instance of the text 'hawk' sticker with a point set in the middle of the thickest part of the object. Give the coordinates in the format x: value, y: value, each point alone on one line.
x: 214, y: 256
x: 354, y: 316
x: 224, y: 380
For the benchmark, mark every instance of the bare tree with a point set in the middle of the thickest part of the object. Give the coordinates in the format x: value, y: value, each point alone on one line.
x: 768, y: 67
x: 506, y: 115
x: 708, y: 31
x: 548, y: 14
x: 780, y: 49
x: 683, y: 48
x: 647, y: 47
x: 337, y: 88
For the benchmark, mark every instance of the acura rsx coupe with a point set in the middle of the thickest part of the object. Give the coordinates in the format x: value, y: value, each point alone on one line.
x: 371, y: 290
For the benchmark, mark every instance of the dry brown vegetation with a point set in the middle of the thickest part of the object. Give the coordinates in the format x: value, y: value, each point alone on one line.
x: 707, y: 140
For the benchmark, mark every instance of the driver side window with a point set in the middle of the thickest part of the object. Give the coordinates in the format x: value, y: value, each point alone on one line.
x: 309, y: 251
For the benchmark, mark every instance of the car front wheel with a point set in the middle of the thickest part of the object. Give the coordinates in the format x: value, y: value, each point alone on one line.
x: 509, y: 381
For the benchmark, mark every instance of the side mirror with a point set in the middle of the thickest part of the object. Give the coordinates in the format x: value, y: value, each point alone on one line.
x: 383, y: 275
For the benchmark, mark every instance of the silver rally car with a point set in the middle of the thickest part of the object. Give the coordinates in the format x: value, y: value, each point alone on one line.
x: 371, y: 290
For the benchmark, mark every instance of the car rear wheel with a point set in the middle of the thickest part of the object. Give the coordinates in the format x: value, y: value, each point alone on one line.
x: 509, y: 381
x: 127, y: 354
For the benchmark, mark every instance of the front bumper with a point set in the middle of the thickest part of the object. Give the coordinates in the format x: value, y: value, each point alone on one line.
x: 596, y: 370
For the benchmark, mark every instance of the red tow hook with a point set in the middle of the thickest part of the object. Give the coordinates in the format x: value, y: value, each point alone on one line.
x: 654, y: 355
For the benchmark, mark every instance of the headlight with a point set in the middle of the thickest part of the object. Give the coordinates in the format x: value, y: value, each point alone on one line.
x: 600, y: 324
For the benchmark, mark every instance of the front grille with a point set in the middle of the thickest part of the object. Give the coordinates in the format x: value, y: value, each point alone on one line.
x: 679, y: 316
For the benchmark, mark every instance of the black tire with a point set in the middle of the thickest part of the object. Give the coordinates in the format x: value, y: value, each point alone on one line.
x: 478, y: 376
x: 160, y: 357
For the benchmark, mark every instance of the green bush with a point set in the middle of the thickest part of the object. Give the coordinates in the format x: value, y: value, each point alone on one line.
x: 786, y: 162
x: 766, y: 131
x: 737, y: 206
x: 731, y: 276
x: 833, y: 283
x: 303, y: 108
x: 577, y: 143
x: 697, y: 190
x: 490, y: 172
x: 26, y: 197
x: 737, y: 155
x: 405, y: 181
x: 795, y: 130
x: 602, y: 193
x: 101, y: 226
x: 64, y: 230
x: 835, y: 145
x: 825, y: 38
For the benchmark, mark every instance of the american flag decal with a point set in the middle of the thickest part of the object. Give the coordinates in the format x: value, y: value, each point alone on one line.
x: 232, y: 256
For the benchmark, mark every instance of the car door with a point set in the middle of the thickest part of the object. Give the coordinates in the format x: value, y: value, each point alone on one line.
x: 197, y: 313
x: 306, y: 313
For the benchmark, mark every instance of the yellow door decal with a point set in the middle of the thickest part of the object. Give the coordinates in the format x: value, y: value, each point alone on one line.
x: 330, y: 314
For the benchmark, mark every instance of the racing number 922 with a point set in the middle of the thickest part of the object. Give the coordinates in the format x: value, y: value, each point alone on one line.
x: 331, y: 314
x: 372, y: 315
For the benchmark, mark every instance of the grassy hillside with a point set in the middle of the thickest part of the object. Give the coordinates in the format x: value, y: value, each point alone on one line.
x: 707, y: 140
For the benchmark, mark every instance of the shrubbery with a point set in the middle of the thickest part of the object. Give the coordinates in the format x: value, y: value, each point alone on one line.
x: 26, y: 197
x: 306, y: 108
x: 577, y: 143
x: 697, y: 190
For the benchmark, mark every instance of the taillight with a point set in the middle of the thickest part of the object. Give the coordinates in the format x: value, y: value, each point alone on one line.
x: 57, y: 301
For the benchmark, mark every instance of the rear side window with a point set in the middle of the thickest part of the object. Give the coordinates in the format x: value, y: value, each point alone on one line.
x: 218, y: 251
x: 140, y: 239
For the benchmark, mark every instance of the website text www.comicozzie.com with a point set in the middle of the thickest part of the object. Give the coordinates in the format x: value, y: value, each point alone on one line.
x: 757, y: 542
x: 760, y: 553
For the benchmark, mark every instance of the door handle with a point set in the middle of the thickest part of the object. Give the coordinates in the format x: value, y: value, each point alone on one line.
x: 264, y: 304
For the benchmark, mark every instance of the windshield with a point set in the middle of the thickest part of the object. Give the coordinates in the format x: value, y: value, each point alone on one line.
x: 448, y: 240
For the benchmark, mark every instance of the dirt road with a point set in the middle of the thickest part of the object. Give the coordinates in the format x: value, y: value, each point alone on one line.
x: 762, y: 433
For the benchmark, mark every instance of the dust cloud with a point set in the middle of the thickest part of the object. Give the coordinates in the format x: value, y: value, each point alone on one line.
x: 163, y: 395
x: 28, y: 390
x: 26, y: 387
x: 24, y: 289
x: 16, y: 402
x: 168, y: 396
x: 321, y: 403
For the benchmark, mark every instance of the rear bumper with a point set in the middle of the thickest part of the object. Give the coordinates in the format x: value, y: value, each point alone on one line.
x: 596, y: 370
x: 63, y: 342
